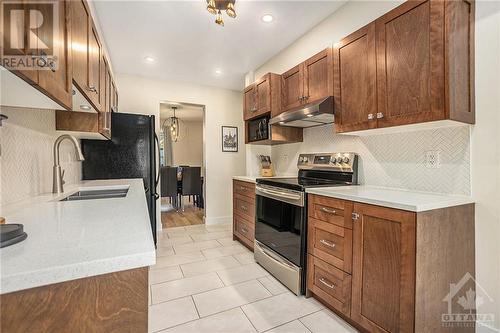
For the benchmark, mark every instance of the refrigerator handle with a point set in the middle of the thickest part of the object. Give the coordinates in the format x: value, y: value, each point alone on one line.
x: 157, y: 141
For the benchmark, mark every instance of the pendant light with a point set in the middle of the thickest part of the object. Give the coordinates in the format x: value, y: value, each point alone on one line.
x: 174, y: 126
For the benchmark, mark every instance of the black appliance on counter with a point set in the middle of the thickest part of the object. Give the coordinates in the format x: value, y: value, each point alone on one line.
x: 131, y: 153
x: 258, y: 129
x: 281, y: 214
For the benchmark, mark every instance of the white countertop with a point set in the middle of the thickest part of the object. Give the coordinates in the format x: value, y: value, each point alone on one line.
x: 253, y: 179
x: 393, y: 198
x: 75, y: 239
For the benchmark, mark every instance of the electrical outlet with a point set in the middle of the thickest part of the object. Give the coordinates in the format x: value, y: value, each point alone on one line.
x: 433, y: 159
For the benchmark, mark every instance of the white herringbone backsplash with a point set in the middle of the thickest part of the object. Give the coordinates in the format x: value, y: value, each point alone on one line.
x: 392, y: 160
x: 26, y: 159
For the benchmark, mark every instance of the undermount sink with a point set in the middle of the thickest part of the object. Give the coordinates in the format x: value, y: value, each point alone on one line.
x: 97, y: 194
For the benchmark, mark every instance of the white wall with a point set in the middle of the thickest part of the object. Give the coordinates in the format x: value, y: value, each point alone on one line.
x: 222, y: 107
x: 485, y: 136
x: 485, y: 151
x: 189, y: 150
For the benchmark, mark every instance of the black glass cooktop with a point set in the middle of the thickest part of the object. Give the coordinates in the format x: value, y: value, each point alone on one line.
x: 301, y: 183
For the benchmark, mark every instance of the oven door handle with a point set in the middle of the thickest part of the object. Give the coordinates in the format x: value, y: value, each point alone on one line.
x: 279, y: 194
x: 275, y: 258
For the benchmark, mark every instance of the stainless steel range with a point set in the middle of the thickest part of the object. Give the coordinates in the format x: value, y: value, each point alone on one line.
x: 281, y: 213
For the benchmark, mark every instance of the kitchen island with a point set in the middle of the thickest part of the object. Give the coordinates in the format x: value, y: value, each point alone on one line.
x: 84, y: 265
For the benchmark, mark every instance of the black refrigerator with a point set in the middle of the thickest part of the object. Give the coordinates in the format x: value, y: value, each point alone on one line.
x: 131, y: 153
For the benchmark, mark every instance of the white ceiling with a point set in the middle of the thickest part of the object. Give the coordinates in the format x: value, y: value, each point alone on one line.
x: 184, y: 112
x: 188, y: 45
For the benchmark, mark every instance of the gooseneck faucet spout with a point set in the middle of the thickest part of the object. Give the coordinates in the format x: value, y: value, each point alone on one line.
x: 58, y: 173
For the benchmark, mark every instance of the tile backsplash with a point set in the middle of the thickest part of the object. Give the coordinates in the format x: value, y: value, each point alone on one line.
x: 392, y: 160
x: 26, y: 155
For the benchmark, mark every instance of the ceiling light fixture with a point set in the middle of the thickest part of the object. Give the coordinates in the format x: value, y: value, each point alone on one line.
x: 149, y: 59
x: 215, y: 7
x: 267, y: 18
x: 218, y: 72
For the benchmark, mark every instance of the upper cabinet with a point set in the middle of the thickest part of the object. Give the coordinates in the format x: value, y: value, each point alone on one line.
x: 308, y: 81
x: 56, y: 82
x: 355, y: 81
x: 262, y: 97
x: 87, y: 51
x: 51, y: 77
x: 421, y: 71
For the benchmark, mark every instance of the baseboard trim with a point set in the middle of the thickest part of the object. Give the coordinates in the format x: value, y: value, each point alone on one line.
x: 218, y: 220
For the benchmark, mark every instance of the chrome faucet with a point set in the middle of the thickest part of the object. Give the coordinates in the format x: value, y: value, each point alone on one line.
x: 58, y: 173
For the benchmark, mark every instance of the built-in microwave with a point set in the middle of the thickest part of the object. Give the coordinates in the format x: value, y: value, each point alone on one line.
x: 258, y: 129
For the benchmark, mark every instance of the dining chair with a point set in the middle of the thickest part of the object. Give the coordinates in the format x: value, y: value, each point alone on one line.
x: 191, y: 183
x: 168, y: 181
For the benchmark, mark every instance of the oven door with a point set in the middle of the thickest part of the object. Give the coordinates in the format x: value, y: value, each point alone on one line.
x: 279, y: 221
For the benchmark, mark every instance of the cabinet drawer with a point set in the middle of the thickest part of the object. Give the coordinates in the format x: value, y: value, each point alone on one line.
x: 330, y: 210
x: 330, y: 284
x: 244, y: 206
x: 244, y: 188
x: 330, y: 243
x: 244, y: 228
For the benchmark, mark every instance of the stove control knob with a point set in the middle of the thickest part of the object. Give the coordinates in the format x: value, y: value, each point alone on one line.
x: 345, y: 159
x: 339, y: 159
x: 305, y: 159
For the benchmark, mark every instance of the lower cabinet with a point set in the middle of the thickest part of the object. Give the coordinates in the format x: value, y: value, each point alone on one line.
x: 391, y: 270
x: 244, y: 212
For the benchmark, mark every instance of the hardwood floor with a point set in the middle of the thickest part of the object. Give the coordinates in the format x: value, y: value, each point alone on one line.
x: 191, y: 216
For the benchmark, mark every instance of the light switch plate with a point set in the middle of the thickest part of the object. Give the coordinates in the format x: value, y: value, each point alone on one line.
x: 433, y: 159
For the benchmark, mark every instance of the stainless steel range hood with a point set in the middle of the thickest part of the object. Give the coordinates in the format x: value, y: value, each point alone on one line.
x: 313, y: 114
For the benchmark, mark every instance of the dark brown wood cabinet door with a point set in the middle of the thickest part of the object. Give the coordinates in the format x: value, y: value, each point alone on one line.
x: 249, y: 107
x: 95, y: 64
x: 292, y: 88
x: 410, y: 64
x: 383, y: 271
x: 263, y: 95
x: 80, y: 19
x: 355, y: 81
x: 318, y: 76
x: 56, y: 81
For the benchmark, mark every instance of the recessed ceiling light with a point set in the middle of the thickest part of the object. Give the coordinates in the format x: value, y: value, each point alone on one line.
x: 218, y: 71
x: 268, y: 18
x: 149, y: 59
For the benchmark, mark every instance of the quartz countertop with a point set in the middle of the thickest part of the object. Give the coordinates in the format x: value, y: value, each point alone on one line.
x: 253, y: 179
x: 69, y: 240
x: 413, y: 201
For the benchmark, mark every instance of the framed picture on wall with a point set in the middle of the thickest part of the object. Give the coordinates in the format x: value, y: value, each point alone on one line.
x: 229, y: 138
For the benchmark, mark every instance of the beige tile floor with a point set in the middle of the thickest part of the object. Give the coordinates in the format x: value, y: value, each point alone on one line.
x: 205, y: 282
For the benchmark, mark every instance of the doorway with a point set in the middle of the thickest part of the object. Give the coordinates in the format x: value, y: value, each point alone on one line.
x: 182, y: 164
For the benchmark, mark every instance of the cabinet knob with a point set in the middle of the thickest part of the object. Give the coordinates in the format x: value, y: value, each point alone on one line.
x: 92, y: 88
x: 370, y: 116
x: 380, y: 115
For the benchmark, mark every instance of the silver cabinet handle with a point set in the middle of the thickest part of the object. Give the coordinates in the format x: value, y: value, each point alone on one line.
x: 329, y: 285
x: 243, y: 207
x: 242, y: 188
x: 380, y: 115
x: 327, y: 243
x: 92, y: 88
x: 244, y: 230
x: 329, y: 211
x: 370, y: 116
